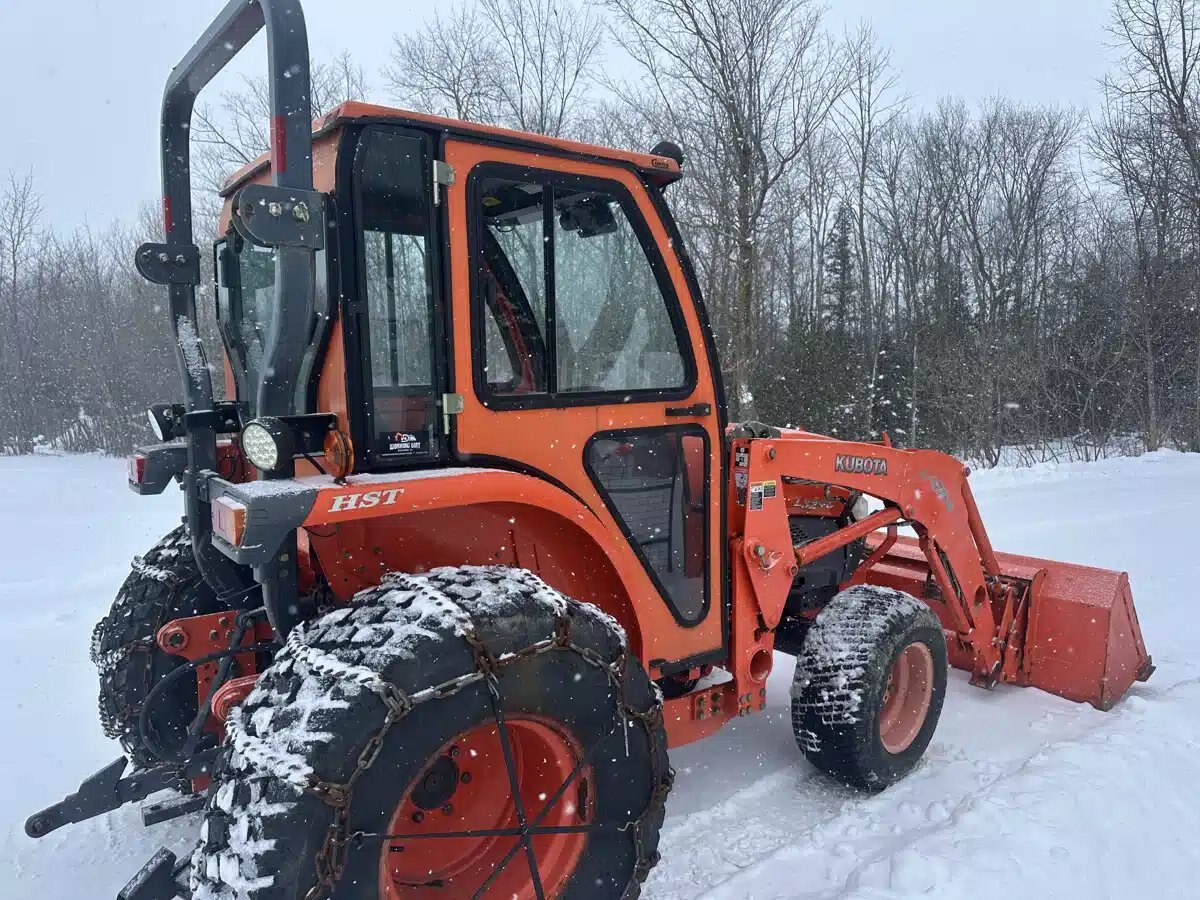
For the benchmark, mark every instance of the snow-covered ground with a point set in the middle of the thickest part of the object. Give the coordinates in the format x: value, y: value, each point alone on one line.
x: 1022, y: 795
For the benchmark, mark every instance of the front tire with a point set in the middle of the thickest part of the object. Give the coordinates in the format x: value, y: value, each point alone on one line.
x: 869, y: 684
x: 317, y: 728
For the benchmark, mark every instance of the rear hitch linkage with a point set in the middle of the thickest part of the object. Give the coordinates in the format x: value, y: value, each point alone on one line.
x: 106, y: 791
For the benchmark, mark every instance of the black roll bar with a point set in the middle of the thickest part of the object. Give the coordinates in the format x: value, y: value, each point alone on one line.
x: 175, y: 262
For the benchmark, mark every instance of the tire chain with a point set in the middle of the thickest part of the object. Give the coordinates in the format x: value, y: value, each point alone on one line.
x: 117, y: 723
x: 331, y: 857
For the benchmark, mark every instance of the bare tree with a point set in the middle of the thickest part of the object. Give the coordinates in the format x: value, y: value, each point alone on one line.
x: 20, y: 221
x: 748, y: 83
x: 869, y: 107
x: 449, y: 66
x: 548, y: 51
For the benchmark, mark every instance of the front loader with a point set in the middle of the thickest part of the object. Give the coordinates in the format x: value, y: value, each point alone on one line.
x: 470, y: 545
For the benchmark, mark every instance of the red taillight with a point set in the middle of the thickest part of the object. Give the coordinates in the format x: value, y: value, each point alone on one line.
x: 137, y: 468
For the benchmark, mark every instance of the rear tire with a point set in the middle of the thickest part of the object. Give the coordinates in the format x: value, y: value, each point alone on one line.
x: 165, y: 584
x: 440, y: 766
x: 869, y: 684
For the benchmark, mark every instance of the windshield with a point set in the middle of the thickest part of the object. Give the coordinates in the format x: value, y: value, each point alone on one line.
x: 245, y: 293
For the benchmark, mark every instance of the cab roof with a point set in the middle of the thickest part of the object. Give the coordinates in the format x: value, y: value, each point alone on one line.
x: 659, y: 169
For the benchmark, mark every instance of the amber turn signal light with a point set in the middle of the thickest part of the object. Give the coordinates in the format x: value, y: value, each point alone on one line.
x: 229, y: 519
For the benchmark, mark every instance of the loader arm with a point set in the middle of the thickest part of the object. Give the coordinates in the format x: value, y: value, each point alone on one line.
x: 1069, y: 629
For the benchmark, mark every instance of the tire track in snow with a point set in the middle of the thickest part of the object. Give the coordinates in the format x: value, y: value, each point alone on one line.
x: 876, y: 846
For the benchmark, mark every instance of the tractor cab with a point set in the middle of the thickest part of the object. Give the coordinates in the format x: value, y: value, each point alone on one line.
x: 497, y: 300
x: 572, y: 299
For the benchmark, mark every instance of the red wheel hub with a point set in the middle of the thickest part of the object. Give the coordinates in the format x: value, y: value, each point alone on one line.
x: 906, y: 698
x: 459, y: 823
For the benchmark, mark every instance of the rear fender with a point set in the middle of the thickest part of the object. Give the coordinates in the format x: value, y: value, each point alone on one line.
x: 416, y: 521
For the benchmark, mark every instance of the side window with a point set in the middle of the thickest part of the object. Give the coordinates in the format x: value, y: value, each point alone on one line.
x: 572, y: 302
x: 398, y: 304
x: 614, y: 330
x: 397, y: 291
x: 655, y: 482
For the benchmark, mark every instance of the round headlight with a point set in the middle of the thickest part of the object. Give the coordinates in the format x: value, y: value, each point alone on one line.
x: 267, y: 443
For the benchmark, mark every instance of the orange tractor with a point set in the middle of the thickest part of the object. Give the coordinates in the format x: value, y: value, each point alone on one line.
x: 473, y: 544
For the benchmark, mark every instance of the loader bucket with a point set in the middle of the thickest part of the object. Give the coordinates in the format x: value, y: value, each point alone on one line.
x: 1077, y: 636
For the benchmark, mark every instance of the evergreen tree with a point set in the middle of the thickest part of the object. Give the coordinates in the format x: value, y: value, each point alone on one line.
x: 841, y: 281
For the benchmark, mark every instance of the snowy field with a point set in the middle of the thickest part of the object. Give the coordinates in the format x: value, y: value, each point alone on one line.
x: 1022, y: 795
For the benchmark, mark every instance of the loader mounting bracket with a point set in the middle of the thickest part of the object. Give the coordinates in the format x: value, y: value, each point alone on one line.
x: 168, y: 263
x: 273, y: 216
x: 107, y: 790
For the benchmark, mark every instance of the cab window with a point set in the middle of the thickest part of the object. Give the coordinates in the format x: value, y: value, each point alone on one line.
x: 576, y: 305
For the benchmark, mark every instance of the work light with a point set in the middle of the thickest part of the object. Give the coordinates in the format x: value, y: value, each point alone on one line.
x: 268, y: 444
x: 156, y: 425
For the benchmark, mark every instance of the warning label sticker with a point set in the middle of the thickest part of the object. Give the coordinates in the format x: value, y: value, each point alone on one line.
x: 741, y: 457
x: 756, y: 497
x: 761, y: 491
x: 741, y: 481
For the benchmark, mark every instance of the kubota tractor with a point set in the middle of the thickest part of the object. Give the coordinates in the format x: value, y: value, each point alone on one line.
x: 472, y: 545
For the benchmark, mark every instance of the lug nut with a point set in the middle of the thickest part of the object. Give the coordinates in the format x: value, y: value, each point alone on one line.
x: 418, y: 816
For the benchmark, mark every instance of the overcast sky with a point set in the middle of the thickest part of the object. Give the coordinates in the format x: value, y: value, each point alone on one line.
x: 81, y: 80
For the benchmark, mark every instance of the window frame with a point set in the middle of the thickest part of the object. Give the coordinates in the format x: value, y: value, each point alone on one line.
x: 551, y: 398
x: 688, y: 429
x: 355, y: 305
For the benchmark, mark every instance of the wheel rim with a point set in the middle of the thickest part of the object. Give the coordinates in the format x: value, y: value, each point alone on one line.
x: 906, y: 698
x: 459, y: 823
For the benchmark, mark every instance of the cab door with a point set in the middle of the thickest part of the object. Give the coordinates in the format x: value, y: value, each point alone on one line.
x: 391, y: 252
x: 585, y: 363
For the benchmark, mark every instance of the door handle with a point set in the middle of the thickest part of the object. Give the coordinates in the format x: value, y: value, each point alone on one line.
x: 695, y: 411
